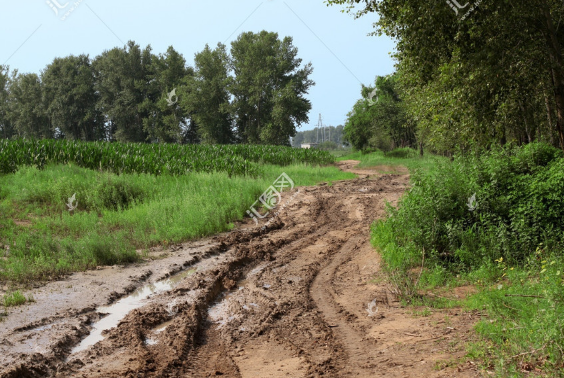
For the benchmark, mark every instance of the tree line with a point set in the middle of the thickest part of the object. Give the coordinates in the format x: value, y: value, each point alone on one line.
x: 255, y: 94
x: 484, y: 73
x: 330, y: 135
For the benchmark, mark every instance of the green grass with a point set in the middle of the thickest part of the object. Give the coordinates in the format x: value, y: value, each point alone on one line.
x: 405, y: 157
x: 116, y: 216
x: 340, y: 153
x: 509, y: 247
x: 16, y: 299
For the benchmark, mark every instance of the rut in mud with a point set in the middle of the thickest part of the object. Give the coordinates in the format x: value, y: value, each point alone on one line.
x: 301, y: 298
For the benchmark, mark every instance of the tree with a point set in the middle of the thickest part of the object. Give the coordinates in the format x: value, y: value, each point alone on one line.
x: 122, y: 80
x: 6, y: 127
x: 206, y: 96
x: 70, y: 98
x: 268, y: 88
x: 332, y: 133
x: 380, y: 119
x: 492, y: 75
x: 165, y: 118
x: 26, y: 111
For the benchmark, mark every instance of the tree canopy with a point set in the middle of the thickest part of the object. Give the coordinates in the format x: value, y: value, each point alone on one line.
x: 255, y: 93
x: 493, y: 73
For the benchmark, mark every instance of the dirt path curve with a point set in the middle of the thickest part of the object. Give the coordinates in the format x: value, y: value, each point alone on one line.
x: 303, y: 298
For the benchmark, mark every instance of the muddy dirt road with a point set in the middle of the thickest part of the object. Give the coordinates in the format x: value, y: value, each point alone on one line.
x: 303, y: 298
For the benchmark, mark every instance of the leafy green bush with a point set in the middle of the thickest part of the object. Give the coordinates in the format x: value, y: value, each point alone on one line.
x: 120, y: 194
x: 402, y: 153
x: 494, y: 220
x: 519, y: 204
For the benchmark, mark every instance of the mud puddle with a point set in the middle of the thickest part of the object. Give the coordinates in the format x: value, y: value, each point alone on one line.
x: 120, y: 309
x: 303, y: 298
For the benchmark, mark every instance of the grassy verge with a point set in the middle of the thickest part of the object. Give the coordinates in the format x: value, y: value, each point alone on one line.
x: 492, y: 221
x: 406, y: 157
x: 116, y: 216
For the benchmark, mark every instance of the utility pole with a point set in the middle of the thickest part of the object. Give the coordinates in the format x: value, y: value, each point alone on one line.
x: 319, y: 126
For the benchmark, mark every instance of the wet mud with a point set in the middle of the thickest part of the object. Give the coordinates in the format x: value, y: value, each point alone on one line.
x: 304, y: 297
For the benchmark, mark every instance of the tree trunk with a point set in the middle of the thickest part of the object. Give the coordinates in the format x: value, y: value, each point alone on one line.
x: 549, y: 118
x: 555, y: 51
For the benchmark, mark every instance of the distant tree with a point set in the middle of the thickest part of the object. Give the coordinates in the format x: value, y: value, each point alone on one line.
x: 268, y: 88
x: 70, y: 98
x: 332, y: 133
x: 491, y: 72
x: 26, y: 111
x: 328, y: 146
x: 206, y: 96
x: 380, y: 119
x: 165, y: 118
x: 6, y: 127
x: 123, y: 78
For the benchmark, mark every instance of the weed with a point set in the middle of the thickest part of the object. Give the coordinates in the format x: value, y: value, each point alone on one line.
x: 423, y: 313
x: 14, y: 298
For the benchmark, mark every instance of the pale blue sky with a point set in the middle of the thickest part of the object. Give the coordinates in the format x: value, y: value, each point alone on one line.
x: 342, y: 54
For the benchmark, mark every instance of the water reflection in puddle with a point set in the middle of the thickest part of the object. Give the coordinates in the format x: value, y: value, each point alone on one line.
x: 124, y: 306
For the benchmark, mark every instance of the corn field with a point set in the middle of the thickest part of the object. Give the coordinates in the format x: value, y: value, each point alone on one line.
x: 155, y: 159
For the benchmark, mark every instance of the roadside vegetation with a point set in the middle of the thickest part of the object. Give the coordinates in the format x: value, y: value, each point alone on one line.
x: 399, y: 157
x: 64, y: 218
x: 14, y: 299
x: 491, y: 220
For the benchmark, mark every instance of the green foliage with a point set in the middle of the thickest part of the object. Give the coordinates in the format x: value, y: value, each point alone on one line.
x: 508, y: 242
x: 456, y: 87
x: 518, y: 207
x: 206, y: 97
x: 327, y: 146
x: 70, y: 100
x: 14, y: 299
x: 254, y: 95
x: 402, y: 153
x: 155, y: 159
x: 326, y: 133
x: 269, y: 88
x: 120, y: 194
x: 6, y: 127
x: 379, y: 119
x: 402, y: 157
x: 119, y: 215
x: 525, y: 307
x: 27, y: 113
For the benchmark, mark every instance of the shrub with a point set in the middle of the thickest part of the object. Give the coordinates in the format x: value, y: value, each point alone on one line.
x: 120, y: 194
x: 518, y: 205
